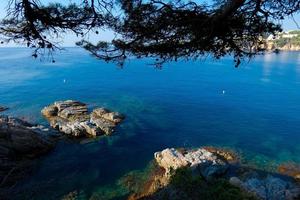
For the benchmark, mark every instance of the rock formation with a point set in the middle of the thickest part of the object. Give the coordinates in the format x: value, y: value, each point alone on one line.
x: 214, y: 166
x: 290, y: 169
x: 267, y: 188
x: 72, y: 118
x: 20, y: 143
x: 209, y: 164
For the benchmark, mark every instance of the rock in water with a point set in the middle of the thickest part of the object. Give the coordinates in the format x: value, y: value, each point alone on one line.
x: 20, y: 142
x: 72, y: 118
x: 3, y: 108
x: 209, y: 164
x: 214, y: 165
x: 290, y: 169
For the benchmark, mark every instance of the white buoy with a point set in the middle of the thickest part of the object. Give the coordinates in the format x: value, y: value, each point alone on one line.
x: 65, y: 80
x: 223, y: 91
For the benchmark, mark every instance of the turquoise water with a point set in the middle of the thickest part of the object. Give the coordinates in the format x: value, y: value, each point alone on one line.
x: 254, y: 110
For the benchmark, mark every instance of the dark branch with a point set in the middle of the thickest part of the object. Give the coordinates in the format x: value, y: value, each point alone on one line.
x: 164, y: 30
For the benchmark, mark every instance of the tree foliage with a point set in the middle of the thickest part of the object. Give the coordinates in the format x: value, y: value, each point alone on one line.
x: 282, y: 41
x: 164, y: 30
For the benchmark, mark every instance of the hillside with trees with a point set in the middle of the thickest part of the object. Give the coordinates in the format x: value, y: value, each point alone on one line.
x: 287, y: 41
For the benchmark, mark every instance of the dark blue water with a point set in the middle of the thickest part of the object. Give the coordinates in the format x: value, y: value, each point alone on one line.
x: 253, y: 109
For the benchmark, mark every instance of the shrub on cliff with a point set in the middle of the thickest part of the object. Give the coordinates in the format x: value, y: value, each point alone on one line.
x: 193, y: 187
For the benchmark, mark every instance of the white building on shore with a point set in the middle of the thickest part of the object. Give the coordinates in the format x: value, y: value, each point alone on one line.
x: 286, y: 34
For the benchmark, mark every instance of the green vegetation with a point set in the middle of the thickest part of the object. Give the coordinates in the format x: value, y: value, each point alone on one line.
x: 281, y: 42
x: 193, y: 187
x: 295, y: 32
x: 158, y: 29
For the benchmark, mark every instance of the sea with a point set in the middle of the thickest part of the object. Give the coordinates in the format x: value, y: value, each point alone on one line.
x: 253, y: 110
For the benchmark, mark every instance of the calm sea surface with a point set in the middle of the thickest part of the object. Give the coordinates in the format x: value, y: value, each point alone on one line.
x: 254, y: 110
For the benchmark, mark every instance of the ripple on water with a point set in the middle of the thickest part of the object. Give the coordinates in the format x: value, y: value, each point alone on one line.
x: 178, y: 106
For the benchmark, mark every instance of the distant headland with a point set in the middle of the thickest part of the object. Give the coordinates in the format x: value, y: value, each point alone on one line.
x: 283, y: 41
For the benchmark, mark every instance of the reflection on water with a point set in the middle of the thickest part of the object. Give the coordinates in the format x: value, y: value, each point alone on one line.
x: 267, y: 67
x: 181, y: 105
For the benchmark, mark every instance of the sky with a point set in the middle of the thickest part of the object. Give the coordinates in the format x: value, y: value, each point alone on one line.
x: 70, y: 39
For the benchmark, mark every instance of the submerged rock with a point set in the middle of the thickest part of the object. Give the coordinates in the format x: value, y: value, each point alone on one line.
x: 72, y: 118
x: 290, y: 169
x: 20, y: 143
x: 210, y: 165
x: 3, y: 108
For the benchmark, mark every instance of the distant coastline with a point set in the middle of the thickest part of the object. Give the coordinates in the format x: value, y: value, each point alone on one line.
x: 284, y: 41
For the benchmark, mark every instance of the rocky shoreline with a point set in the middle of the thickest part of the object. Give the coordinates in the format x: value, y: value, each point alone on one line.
x: 22, y: 143
x: 286, y: 48
x: 177, y: 173
x: 213, y: 166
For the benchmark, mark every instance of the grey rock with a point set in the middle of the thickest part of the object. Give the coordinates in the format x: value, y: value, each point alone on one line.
x: 276, y: 188
x: 235, y: 181
x: 105, y: 125
x: 20, y: 142
x: 61, y: 105
x: 100, y: 111
x: 72, y: 111
x: 72, y: 118
x: 22, y: 137
x: 209, y: 164
x: 91, y: 128
x: 255, y: 186
x: 114, y: 117
x: 270, y: 188
x: 50, y: 111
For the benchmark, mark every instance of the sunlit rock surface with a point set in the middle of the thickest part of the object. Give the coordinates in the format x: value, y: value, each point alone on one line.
x: 72, y: 118
x: 213, y: 165
x: 209, y: 164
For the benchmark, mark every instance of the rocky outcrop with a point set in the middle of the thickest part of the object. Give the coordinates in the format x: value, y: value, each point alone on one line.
x: 214, y: 165
x: 72, y: 118
x: 209, y: 164
x: 224, y: 153
x: 290, y: 169
x: 20, y: 143
x: 290, y: 47
x: 271, y: 46
x: 268, y: 188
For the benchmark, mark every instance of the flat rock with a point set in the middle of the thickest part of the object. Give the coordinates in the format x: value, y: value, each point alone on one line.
x: 20, y: 142
x: 72, y: 118
x: 113, y: 117
x: 209, y: 164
